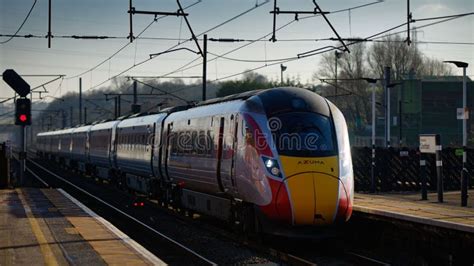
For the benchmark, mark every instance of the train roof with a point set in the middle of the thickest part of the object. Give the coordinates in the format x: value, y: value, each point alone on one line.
x: 284, y: 99
x: 104, y: 125
x: 279, y: 100
x: 233, y: 97
x: 81, y: 129
x: 44, y: 134
x: 141, y: 120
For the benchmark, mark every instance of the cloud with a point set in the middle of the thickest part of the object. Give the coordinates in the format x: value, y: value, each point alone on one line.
x: 432, y: 9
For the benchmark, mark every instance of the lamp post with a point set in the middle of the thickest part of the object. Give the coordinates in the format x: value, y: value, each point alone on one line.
x: 388, y: 121
x: 464, y: 173
x: 372, y: 177
x: 282, y: 69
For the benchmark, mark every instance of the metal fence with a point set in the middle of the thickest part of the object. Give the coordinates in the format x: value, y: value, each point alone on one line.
x: 399, y: 169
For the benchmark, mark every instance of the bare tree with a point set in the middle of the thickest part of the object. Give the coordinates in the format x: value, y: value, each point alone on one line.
x: 392, y: 51
x: 353, y: 94
x: 434, y: 67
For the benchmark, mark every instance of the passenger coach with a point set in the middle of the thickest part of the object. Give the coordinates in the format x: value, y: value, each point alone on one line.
x: 269, y: 158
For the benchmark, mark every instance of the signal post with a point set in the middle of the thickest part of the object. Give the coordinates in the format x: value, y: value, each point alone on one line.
x: 22, y: 113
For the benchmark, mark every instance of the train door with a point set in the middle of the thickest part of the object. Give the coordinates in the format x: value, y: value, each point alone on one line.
x: 226, y: 153
x: 235, y: 126
x: 155, y: 150
x: 113, y: 146
x: 87, y: 145
x: 166, y: 149
x: 220, y: 142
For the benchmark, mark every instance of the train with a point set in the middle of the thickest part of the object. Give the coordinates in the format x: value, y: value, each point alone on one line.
x: 269, y: 160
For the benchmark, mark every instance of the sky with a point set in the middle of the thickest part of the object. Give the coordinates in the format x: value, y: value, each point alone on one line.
x: 74, y: 58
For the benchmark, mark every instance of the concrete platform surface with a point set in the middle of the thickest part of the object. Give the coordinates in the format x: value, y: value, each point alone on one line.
x: 50, y: 227
x: 410, y: 207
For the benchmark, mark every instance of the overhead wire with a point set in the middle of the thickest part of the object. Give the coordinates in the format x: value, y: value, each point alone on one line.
x: 443, y: 17
x: 126, y: 45
x: 305, y: 56
x: 174, y: 46
x: 429, y: 24
x: 264, y: 37
x: 374, y: 36
x: 289, y: 59
x: 23, y: 23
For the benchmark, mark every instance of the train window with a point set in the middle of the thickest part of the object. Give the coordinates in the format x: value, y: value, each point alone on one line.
x: 179, y: 147
x: 209, y: 143
x: 303, y: 134
x: 188, y: 148
x: 172, y: 143
x: 201, y: 143
x: 194, y: 142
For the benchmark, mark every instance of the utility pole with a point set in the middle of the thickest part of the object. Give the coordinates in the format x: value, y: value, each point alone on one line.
x: 387, y: 115
x: 80, y: 100
x: 408, y: 23
x: 337, y: 55
x: 135, y: 106
x: 282, y: 69
x: 400, y: 113
x: 204, y: 68
x: 119, y: 101
x: 63, y: 118
x: 49, y: 24
x: 115, y: 113
x: 134, y: 92
x: 131, y: 20
x: 70, y: 116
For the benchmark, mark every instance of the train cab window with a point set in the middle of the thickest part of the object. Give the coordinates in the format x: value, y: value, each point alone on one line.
x: 303, y: 134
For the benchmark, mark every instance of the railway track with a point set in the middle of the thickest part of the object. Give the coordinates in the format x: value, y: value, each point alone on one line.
x: 138, y: 223
x: 169, y: 248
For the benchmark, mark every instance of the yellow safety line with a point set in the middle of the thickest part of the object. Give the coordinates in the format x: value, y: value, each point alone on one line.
x: 49, y: 258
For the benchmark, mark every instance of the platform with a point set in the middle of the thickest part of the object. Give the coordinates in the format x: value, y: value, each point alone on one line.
x: 409, y: 207
x: 48, y: 226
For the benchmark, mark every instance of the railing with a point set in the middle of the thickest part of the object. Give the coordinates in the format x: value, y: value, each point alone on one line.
x: 399, y: 169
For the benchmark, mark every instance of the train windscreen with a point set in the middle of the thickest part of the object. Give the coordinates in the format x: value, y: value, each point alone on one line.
x: 303, y: 134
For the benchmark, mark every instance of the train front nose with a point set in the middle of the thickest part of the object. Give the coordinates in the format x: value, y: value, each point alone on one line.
x: 313, y: 189
x: 314, y: 198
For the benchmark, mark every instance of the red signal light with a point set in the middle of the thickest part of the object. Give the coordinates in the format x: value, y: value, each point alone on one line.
x: 23, y: 112
x: 23, y: 118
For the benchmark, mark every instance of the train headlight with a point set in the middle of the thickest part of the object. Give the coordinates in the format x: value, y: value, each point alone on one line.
x: 272, y: 166
x: 269, y: 163
x: 275, y: 171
